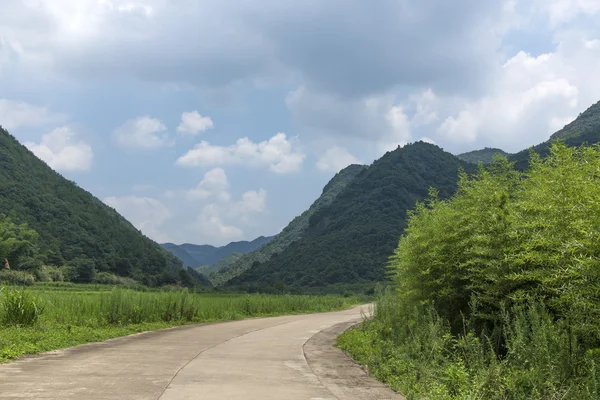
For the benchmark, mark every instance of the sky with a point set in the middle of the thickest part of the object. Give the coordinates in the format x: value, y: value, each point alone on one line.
x: 211, y: 121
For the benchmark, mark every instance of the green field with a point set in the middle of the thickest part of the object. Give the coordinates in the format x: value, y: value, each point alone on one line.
x: 47, y: 317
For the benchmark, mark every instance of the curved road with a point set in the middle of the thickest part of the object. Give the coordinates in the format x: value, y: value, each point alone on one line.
x: 283, y: 358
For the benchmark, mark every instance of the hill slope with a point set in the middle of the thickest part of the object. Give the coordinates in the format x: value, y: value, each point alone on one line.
x: 294, y: 231
x: 193, y: 255
x: 350, y: 240
x: 219, y: 265
x: 485, y: 156
x: 73, y: 224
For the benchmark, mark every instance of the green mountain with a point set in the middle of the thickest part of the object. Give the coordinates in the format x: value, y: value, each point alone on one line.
x: 485, y: 155
x: 350, y: 240
x: 194, y: 255
x: 219, y: 265
x: 186, y: 258
x: 74, y: 227
x: 294, y: 231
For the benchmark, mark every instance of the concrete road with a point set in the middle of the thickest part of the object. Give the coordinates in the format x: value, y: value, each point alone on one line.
x: 283, y: 358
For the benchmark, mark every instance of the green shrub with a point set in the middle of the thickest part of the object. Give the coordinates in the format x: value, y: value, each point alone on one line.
x: 414, y: 350
x: 496, y: 289
x: 42, y: 275
x: 82, y: 270
x: 21, y: 308
x: 106, y: 278
x: 56, y: 273
x: 12, y: 277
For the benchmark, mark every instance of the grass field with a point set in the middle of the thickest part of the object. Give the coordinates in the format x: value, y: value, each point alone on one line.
x: 47, y: 317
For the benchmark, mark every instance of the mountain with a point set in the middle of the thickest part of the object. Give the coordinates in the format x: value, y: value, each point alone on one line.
x: 485, y: 156
x: 179, y: 252
x: 294, y: 231
x: 350, y: 240
x: 219, y: 265
x: 73, y: 225
x: 194, y: 255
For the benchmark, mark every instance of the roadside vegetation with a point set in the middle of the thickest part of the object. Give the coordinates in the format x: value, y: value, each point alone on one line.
x: 52, y: 316
x: 496, y: 291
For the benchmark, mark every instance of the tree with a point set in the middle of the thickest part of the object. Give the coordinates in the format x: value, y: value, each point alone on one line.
x: 83, y: 270
x: 16, y: 241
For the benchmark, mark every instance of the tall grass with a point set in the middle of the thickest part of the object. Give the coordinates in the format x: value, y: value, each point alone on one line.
x: 76, y: 315
x: 414, y: 351
x: 20, y: 308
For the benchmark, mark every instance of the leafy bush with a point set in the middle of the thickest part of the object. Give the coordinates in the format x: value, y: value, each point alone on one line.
x: 106, y: 278
x: 42, y: 275
x: 83, y: 270
x: 21, y: 308
x: 415, y: 352
x: 496, y: 289
x: 56, y: 273
x: 11, y: 277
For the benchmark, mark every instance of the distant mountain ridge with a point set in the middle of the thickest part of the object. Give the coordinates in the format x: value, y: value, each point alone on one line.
x: 193, y: 255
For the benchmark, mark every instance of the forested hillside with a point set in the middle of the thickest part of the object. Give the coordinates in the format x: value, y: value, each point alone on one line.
x: 485, y: 156
x: 294, y: 231
x: 350, y: 240
x: 219, y: 265
x: 76, y: 228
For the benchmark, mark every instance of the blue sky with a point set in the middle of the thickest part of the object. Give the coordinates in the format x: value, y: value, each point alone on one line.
x: 212, y: 121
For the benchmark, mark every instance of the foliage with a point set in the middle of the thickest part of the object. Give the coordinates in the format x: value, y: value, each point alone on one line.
x: 294, y: 231
x: 17, y: 241
x: 485, y: 155
x: 12, y: 277
x: 496, y: 289
x: 414, y: 351
x: 350, y: 240
x: 20, y: 307
x: 504, y: 238
x: 71, y: 223
x: 77, y: 313
x: 105, y: 278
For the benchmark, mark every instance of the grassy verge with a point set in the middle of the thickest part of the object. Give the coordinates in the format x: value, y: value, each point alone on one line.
x: 415, y: 352
x: 39, y: 318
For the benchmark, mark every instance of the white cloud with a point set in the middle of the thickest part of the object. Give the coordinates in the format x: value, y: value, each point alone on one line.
x: 219, y: 220
x: 376, y: 122
x: 563, y: 11
x: 145, y: 213
x: 143, y: 187
x: 252, y: 202
x: 533, y: 97
x: 193, y: 123
x: 278, y: 153
x: 16, y: 114
x: 336, y: 158
x: 213, y: 185
x: 61, y: 150
x: 141, y: 133
x: 211, y: 224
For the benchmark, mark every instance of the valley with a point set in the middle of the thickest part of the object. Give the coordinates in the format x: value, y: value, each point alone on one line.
x: 429, y: 235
